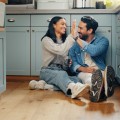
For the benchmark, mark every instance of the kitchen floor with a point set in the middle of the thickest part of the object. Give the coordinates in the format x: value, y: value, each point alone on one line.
x: 20, y: 103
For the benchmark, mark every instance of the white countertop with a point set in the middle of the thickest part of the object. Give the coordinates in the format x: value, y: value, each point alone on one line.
x: 34, y: 11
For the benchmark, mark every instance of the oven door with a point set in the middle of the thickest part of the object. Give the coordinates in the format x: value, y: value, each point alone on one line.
x: 18, y: 2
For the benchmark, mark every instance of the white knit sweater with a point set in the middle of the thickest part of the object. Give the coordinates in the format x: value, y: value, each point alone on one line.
x: 50, y: 50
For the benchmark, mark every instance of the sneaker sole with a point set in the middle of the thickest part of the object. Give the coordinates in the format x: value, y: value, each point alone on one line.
x: 84, y: 91
x: 108, y: 81
x: 97, y: 84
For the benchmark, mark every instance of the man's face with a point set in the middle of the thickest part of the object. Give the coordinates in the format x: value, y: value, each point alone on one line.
x: 82, y: 31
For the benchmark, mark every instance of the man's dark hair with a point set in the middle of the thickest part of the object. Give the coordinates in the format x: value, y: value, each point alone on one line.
x: 51, y: 32
x: 91, y: 23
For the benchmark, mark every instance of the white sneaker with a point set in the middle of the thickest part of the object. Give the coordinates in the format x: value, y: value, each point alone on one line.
x: 41, y: 84
x: 79, y: 90
x: 33, y: 84
x: 48, y: 87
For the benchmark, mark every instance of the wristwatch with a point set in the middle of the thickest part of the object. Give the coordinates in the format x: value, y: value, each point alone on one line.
x: 76, y: 38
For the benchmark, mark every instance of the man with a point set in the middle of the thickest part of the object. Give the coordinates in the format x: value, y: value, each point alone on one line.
x: 88, y: 56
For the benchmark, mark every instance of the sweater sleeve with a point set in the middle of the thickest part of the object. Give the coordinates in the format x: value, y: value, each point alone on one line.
x: 59, y: 49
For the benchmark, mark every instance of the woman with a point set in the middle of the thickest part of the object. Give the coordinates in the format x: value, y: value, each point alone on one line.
x: 55, y: 47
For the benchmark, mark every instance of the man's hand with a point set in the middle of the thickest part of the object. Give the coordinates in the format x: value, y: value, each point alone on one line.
x: 86, y: 69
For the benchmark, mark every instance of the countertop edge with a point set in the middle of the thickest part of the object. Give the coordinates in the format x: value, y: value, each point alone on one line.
x: 65, y: 11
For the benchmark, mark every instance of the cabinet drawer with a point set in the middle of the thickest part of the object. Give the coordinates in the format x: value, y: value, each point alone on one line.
x: 43, y: 20
x: 118, y: 62
x: 17, y: 20
x: 118, y: 38
x: 118, y: 19
x: 102, y: 19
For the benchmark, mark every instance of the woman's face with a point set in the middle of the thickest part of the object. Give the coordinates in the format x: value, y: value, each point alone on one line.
x: 60, y: 27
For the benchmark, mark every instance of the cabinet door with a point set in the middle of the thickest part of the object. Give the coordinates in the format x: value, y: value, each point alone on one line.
x: 118, y: 38
x: 36, y: 49
x: 102, y: 19
x: 43, y: 20
x: 118, y: 19
x: 118, y: 63
x: 2, y: 65
x: 18, y: 50
x: 106, y: 32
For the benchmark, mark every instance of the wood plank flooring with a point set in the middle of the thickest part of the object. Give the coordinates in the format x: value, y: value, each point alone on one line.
x: 20, y: 103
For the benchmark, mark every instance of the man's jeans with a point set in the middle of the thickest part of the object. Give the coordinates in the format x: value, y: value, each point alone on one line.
x: 58, y: 77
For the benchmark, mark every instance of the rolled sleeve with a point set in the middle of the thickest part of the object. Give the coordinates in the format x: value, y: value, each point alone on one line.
x: 76, y: 67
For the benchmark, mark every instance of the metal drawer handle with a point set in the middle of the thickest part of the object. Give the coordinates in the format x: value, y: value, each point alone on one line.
x: 49, y: 19
x: 33, y: 30
x: 27, y: 30
x: 119, y: 66
x: 11, y: 20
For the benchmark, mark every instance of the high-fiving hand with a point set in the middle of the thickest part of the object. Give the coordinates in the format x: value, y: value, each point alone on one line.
x: 73, y: 29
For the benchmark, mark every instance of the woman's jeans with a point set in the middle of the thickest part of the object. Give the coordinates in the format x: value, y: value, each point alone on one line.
x: 58, y: 77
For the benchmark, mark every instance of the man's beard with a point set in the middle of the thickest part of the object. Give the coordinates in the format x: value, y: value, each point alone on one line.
x: 83, y: 37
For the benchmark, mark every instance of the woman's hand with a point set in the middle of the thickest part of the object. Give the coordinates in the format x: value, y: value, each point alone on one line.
x: 69, y: 62
x: 73, y: 29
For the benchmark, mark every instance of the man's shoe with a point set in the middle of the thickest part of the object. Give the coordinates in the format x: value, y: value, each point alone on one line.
x: 79, y: 90
x: 97, y: 86
x: 109, y: 81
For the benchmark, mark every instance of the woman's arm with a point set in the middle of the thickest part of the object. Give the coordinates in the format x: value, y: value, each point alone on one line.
x: 59, y: 49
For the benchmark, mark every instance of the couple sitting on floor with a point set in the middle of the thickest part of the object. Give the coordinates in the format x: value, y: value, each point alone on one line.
x: 87, y: 53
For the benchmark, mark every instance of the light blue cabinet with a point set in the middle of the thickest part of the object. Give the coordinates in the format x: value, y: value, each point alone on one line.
x: 43, y: 20
x: 102, y: 19
x: 24, y: 33
x: 2, y: 62
x: 36, y: 49
x: 41, y: 25
x: 18, y: 44
x: 18, y: 50
x: 118, y: 63
x: 117, y: 57
x: 104, y: 29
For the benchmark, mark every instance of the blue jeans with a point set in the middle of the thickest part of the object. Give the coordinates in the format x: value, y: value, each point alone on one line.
x: 57, y: 77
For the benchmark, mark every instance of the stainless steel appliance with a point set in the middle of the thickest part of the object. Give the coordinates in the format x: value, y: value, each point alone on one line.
x: 83, y: 4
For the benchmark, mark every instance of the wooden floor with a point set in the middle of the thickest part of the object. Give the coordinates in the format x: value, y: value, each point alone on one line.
x: 20, y: 103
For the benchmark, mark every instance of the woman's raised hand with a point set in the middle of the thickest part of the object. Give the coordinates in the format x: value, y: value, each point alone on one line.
x: 73, y: 29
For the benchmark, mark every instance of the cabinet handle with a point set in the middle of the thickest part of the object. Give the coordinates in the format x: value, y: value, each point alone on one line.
x: 11, y: 20
x: 33, y: 30
x: 109, y: 30
x: 27, y: 30
x: 49, y: 19
x: 119, y: 66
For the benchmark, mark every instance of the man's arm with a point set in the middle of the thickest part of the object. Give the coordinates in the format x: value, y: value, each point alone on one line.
x: 94, y: 49
x: 75, y: 65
